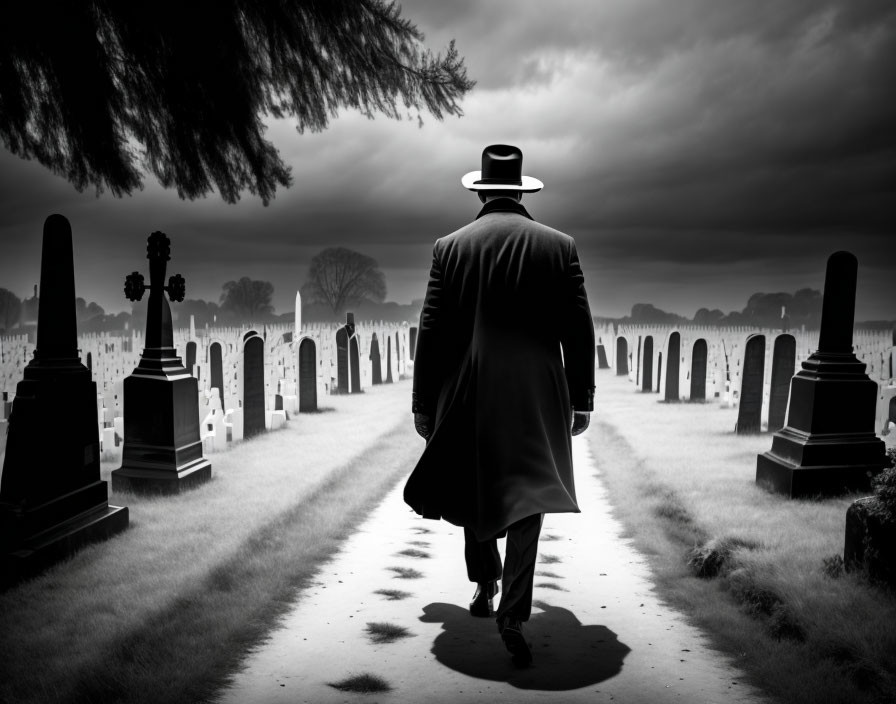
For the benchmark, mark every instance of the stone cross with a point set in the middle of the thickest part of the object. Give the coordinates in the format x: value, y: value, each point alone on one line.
x: 159, y: 332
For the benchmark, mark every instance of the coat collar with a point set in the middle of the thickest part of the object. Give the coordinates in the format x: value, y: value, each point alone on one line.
x: 503, y: 205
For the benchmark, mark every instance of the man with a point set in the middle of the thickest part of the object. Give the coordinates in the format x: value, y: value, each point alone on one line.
x: 493, y: 396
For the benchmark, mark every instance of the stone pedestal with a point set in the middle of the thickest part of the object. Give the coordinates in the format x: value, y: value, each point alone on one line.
x: 52, y: 500
x: 828, y: 445
x: 162, y: 447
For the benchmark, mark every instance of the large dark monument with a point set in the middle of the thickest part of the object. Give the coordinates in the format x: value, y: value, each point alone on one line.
x: 162, y: 451
x: 783, y: 365
x: 828, y: 445
x: 698, y: 371
x: 52, y: 500
x: 749, y: 407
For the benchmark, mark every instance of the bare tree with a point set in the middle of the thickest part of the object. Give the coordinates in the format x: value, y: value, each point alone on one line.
x: 10, y: 309
x: 248, y: 298
x: 97, y: 91
x: 341, y: 277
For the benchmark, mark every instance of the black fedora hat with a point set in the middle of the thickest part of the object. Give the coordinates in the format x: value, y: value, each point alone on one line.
x: 502, y: 170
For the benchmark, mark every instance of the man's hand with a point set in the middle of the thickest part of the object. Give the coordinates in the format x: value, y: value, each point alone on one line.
x: 423, y: 425
x: 580, y: 421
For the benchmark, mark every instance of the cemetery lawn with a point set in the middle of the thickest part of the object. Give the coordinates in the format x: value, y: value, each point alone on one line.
x: 683, y: 484
x: 164, y: 611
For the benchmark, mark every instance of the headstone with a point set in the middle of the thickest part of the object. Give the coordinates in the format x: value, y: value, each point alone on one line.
x: 162, y: 445
x: 647, y: 365
x: 376, y: 363
x: 749, y: 411
x: 621, y: 356
x: 638, y: 365
x: 253, y: 387
x: 388, y: 359
x: 828, y: 445
x: 216, y: 366
x: 412, y: 332
x: 191, y: 356
x: 698, y: 371
x: 355, y: 364
x: 602, y: 356
x: 307, y: 376
x: 52, y: 500
x: 342, y: 366
x: 783, y: 365
x: 673, y: 360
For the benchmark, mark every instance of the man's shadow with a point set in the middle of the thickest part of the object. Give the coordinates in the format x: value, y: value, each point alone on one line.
x: 566, y: 654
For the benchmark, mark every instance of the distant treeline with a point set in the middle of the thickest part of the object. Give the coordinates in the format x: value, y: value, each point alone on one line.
x: 763, y: 310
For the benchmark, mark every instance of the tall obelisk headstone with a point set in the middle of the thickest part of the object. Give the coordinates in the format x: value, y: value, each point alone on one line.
x: 52, y: 500
x: 828, y: 445
x: 162, y: 450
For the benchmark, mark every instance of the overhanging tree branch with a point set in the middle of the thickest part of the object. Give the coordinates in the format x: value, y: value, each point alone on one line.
x: 103, y: 92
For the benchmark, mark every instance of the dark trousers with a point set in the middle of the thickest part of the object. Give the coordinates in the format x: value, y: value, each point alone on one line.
x: 484, y: 564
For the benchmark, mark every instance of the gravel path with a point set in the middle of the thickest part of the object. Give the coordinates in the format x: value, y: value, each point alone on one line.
x: 598, y: 633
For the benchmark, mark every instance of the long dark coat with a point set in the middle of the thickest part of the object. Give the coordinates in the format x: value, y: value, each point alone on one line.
x: 505, y: 293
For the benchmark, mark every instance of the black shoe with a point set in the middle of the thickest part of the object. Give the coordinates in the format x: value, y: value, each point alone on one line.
x: 511, y: 630
x: 482, y: 600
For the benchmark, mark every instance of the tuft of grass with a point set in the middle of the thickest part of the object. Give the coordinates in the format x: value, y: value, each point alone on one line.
x: 547, y: 537
x: 832, y: 566
x: 550, y: 559
x: 381, y: 632
x: 421, y: 530
x: 419, y: 543
x: 393, y: 594
x: 412, y: 552
x: 715, y: 556
x: 405, y: 572
x: 364, y: 683
x: 551, y: 575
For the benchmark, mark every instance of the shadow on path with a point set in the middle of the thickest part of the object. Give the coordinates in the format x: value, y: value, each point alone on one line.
x: 566, y: 654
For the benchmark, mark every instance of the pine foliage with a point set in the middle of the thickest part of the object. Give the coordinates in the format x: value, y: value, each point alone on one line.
x: 100, y: 91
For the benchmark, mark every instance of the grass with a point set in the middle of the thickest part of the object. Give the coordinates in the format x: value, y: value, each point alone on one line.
x: 165, y: 611
x: 380, y: 632
x: 547, y: 559
x: 405, y: 572
x: 364, y: 683
x: 413, y: 552
x: 756, y: 570
x: 393, y: 594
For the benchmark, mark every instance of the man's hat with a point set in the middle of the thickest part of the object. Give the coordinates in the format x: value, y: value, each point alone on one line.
x: 502, y: 170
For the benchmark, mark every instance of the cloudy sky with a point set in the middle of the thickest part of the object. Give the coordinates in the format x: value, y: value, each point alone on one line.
x: 698, y: 150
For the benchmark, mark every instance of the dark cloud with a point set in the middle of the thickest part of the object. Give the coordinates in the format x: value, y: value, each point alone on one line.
x: 698, y: 150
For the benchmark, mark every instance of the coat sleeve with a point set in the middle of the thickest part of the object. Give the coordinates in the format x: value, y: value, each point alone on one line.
x: 577, y: 337
x: 427, y: 379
